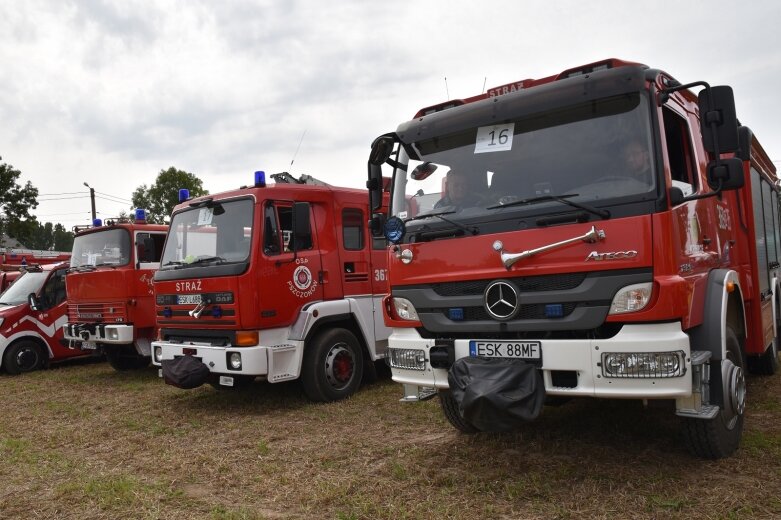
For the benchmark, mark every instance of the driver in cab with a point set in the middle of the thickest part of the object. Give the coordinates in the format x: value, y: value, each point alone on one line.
x: 461, y: 191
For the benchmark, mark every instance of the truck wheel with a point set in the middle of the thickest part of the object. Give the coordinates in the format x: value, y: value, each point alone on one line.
x: 125, y: 357
x: 332, y: 366
x: 453, y: 414
x: 719, y: 437
x: 23, y: 356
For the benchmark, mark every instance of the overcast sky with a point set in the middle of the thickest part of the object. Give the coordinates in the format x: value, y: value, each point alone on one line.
x: 111, y: 92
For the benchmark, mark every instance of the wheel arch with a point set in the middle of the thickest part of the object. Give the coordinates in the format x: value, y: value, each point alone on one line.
x: 723, y: 305
x: 338, y: 313
x: 28, y: 336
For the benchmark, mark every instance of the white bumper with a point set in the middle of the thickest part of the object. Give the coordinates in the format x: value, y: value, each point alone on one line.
x: 99, y: 333
x: 583, y: 357
x: 277, y: 361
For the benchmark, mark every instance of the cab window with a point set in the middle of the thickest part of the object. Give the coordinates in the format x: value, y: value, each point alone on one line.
x: 278, y: 230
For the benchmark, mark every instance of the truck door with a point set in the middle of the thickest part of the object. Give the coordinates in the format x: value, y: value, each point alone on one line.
x: 53, y: 314
x: 700, y: 240
x: 291, y: 271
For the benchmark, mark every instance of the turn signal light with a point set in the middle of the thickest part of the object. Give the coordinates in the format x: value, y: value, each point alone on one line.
x: 247, y: 338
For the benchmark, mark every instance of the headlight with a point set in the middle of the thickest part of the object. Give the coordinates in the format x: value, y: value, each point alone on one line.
x: 158, y: 354
x: 405, y: 310
x: 113, y: 334
x: 234, y: 360
x: 631, y: 298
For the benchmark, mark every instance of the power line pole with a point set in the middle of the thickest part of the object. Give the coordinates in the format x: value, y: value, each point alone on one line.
x: 92, y: 199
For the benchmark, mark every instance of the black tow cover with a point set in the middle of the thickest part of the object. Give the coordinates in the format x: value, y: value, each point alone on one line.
x: 184, y: 372
x: 496, y: 395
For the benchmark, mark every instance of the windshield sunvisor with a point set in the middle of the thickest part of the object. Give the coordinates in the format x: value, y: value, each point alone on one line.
x: 524, y: 103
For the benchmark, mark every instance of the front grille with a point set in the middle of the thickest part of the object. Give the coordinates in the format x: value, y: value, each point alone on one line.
x: 554, y: 282
x: 108, y: 312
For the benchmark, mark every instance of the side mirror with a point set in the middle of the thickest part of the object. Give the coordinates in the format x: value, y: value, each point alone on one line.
x: 32, y: 300
x: 745, y: 137
x: 726, y: 174
x: 676, y: 196
x: 382, y: 148
x: 376, y: 224
x: 718, y: 121
x: 302, y: 230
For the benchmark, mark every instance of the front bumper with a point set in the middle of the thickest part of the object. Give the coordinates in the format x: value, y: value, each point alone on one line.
x: 569, y: 367
x: 280, y: 362
x: 98, y: 333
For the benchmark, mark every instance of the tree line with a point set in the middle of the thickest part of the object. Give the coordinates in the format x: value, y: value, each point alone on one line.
x: 17, y: 200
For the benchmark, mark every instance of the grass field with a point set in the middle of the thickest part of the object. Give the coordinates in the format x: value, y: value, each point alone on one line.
x: 81, y: 441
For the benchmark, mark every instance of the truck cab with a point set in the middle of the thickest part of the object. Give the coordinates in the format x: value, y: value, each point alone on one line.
x: 32, y: 312
x: 111, y: 295
x: 278, y: 282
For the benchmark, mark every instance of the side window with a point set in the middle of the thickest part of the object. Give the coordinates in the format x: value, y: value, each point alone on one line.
x: 352, y: 229
x: 680, y: 152
x: 272, y: 244
x: 149, y: 247
x: 54, y: 290
x: 278, y: 230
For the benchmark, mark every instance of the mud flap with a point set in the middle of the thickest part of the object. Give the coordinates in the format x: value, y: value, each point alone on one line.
x: 184, y: 372
x: 496, y: 395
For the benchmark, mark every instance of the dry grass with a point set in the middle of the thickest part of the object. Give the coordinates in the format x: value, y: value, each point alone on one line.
x: 82, y: 441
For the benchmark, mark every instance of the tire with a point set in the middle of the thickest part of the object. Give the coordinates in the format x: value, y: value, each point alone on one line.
x: 720, y: 437
x: 239, y: 383
x: 332, y: 365
x: 124, y: 357
x: 453, y: 414
x: 24, y: 356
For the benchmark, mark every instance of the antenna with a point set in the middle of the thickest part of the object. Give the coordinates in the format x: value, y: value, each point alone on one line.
x: 484, y: 80
x: 297, y: 149
x: 446, y: 90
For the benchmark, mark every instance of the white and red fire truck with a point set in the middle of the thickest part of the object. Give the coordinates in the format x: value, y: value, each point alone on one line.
x: 280, y: 281
x: 619, y: 239
x: 32, y: 312
x: 110, y: 290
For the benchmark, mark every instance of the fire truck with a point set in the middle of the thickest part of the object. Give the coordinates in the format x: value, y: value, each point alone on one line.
x: 110, y: 290
x: 32, y: 312
x: 277, y: 281
x: 618, y: 237
x: 13, y: 261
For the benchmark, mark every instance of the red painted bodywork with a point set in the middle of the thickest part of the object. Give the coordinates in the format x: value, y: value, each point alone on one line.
x: 120, y: 295
x: 264, y: 294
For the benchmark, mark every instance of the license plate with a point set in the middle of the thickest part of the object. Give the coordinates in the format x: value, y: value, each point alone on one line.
x: 89, y: 345
x: 184, y: 299
x: 506, y: 349
x: 226, y: 380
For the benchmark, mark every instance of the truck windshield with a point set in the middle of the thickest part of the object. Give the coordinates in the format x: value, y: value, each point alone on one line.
x: 596, y: 154
x: 218, y: 233
x: 27, y: 283
x: 107, y: 247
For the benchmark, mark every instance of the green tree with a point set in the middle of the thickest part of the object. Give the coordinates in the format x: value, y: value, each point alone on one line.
x: 15, y: 200
x: 160, y: 198
x: 63, y: 239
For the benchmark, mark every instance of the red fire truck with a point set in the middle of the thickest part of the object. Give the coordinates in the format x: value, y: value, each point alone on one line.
x: 32, y: 312
x: 13, y: 261
x: 602, y: 232
x: 278, y: 281
x: 110, y: 290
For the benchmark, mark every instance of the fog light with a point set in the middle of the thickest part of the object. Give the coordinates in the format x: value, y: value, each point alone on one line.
x: 158, y: 354
x: 643, y: 365
x: 113, y: 334
x: 234, y: 360
x: 407, y: 358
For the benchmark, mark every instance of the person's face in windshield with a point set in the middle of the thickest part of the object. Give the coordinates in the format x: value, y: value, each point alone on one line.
x: 636, y: 158
x: 457, y: 188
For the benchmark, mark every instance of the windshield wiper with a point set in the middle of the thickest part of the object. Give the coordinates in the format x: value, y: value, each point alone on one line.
x: 204, y: 259
x: 465, y: 229
x: 601, y: 213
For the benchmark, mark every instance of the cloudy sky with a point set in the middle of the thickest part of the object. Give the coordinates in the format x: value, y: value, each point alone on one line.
x: 109, y: 92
